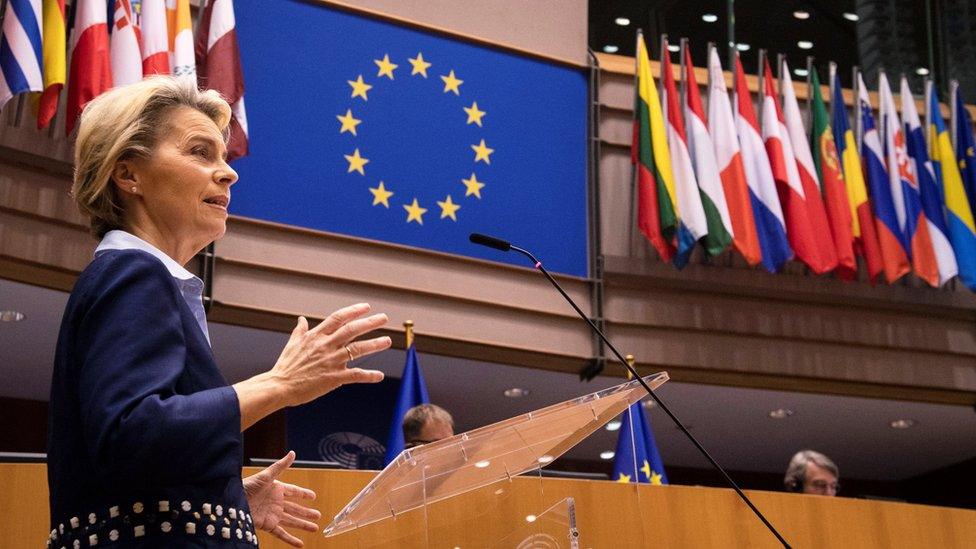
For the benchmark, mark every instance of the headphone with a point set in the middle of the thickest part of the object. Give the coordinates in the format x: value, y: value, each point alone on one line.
x: 793, y: 484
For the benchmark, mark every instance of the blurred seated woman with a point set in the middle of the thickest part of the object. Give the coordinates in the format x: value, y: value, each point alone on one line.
x: 144, y: 442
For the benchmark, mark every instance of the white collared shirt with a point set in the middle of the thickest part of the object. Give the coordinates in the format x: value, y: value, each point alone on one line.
x: 190, y: 286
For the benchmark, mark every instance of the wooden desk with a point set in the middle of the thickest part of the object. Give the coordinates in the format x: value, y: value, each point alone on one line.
x: 609, y: 515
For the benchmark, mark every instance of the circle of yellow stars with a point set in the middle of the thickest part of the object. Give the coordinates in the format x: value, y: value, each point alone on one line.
x: 357, y: 162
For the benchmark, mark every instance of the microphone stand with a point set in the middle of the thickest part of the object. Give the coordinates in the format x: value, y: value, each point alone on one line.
x: 505, y: 246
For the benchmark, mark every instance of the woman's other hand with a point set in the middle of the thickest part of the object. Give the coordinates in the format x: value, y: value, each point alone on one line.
x: 271, y: 511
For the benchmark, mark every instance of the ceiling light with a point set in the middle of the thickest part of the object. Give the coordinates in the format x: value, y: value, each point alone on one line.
x: 742, y: 47
x: 622, y: 21
x: 648, y: 404
x: 801, y: 72
x: 610, y: 48
x: 709, y: 18
x: 530, y: 518
x: 607, y: 455
x: 922, y: 71
x: 674, y: 48
x: 804, y: 44
x: 613, y: 425
x: 850, y: 16
x: 516, y: 392
x: 482, y: 464
x: 781, y: 413
x: 902, y: 423
x: 545, y: 459
x: 800, y: 14
x: 11, y: 316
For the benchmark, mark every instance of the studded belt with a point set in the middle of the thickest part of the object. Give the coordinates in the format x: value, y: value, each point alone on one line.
x: 162, y: 519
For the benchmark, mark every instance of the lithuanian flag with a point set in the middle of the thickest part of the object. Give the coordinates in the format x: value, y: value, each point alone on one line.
x: 657, y: 215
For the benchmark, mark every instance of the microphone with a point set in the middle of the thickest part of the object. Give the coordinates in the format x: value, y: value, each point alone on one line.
x: 505, y: 246
x: 490, y: 241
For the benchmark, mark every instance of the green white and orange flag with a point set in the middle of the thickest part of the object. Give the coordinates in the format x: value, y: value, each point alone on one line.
x: 657, y: 215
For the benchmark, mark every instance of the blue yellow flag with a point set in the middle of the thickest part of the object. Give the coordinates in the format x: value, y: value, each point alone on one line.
x: 959, y: 216
x: 391, y: 133
x: 413, y: 392
x: 637, y: 458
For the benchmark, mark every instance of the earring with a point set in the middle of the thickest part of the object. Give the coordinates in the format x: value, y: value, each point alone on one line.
x: 133, y: 188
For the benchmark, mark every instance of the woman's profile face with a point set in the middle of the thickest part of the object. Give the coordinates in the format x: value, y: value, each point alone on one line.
x: 184, y: 185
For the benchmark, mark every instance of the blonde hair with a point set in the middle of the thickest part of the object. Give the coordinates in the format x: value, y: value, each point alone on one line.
x: 127, y: 122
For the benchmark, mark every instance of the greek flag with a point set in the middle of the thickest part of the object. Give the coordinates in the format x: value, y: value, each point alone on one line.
x: 20, y: 49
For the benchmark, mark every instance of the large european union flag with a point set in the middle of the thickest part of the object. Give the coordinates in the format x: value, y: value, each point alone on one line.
x: 637, y: 458
x: 366, y: 128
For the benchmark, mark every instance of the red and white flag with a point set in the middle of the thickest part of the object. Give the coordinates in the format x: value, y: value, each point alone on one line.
x: 91, y: 72
x: 180, y: 28
x: 155, y: 38
x: 816, y: 211
x: 792, y: 195
x: 219, y: 67
x: 126, y: 55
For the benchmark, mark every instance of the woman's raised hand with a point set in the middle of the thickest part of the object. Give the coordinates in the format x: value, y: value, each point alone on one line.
x: 316, y: 361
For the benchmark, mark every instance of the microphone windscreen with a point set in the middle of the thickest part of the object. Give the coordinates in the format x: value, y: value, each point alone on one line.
x: 490, y: 241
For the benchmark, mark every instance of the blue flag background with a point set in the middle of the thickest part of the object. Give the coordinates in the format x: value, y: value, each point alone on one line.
x: 415, y: 134
x: 413, y: 392
x: 637, y: 458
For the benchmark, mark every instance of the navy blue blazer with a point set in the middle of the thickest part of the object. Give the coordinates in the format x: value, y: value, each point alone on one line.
x: 144, y: 441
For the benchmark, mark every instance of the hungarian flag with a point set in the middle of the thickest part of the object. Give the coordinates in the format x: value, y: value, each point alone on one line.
x: 219, y: 67
x: 706, y: 168
x: 155, y: 37
x: 692, y: 224
x: 827, y: 164
x: 728, y: 157
x: 959, y: 215
x: 91, y: 72
x: 893, y: 251
x: 862, y: 220
x: 928, y: 188
x: 180, y: 43
x: 801, y: 231
x: 766, y: 208
x: 126, y: 55
x: 55, y: 65
x: 657, y: 217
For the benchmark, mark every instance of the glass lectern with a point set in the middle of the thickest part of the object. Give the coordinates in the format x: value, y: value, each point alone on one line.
x: 459, y: 492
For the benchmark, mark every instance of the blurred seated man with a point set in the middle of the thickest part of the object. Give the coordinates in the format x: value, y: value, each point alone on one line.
x: 425, y: 424
x: 811, y: 472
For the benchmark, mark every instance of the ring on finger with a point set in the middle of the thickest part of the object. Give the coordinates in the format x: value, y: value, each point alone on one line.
x: 349, y: 352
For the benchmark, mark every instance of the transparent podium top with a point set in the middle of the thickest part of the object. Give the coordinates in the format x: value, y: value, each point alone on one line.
x: 467, y: 461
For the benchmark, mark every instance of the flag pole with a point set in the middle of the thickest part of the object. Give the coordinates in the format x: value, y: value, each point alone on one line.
x: 858, y: 129
x: 408, y: 332
x: 810, y: 92
x: 953, y: 119
x: 928, y: 117
x: 831, y: 74
x: 633, y: 165
x: 761, y: 79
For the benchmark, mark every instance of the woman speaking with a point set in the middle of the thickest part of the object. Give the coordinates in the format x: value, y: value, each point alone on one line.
x: 144, y: 441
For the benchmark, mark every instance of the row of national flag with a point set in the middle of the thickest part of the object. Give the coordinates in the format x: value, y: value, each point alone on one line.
x: 144, y: 38
x: 901, y: 201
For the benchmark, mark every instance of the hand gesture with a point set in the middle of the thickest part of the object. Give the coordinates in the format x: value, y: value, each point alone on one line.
x: 315, y: 361
x: 271, y: 511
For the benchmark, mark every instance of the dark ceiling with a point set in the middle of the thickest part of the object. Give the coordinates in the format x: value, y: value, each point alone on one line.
x: 769, y: 25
